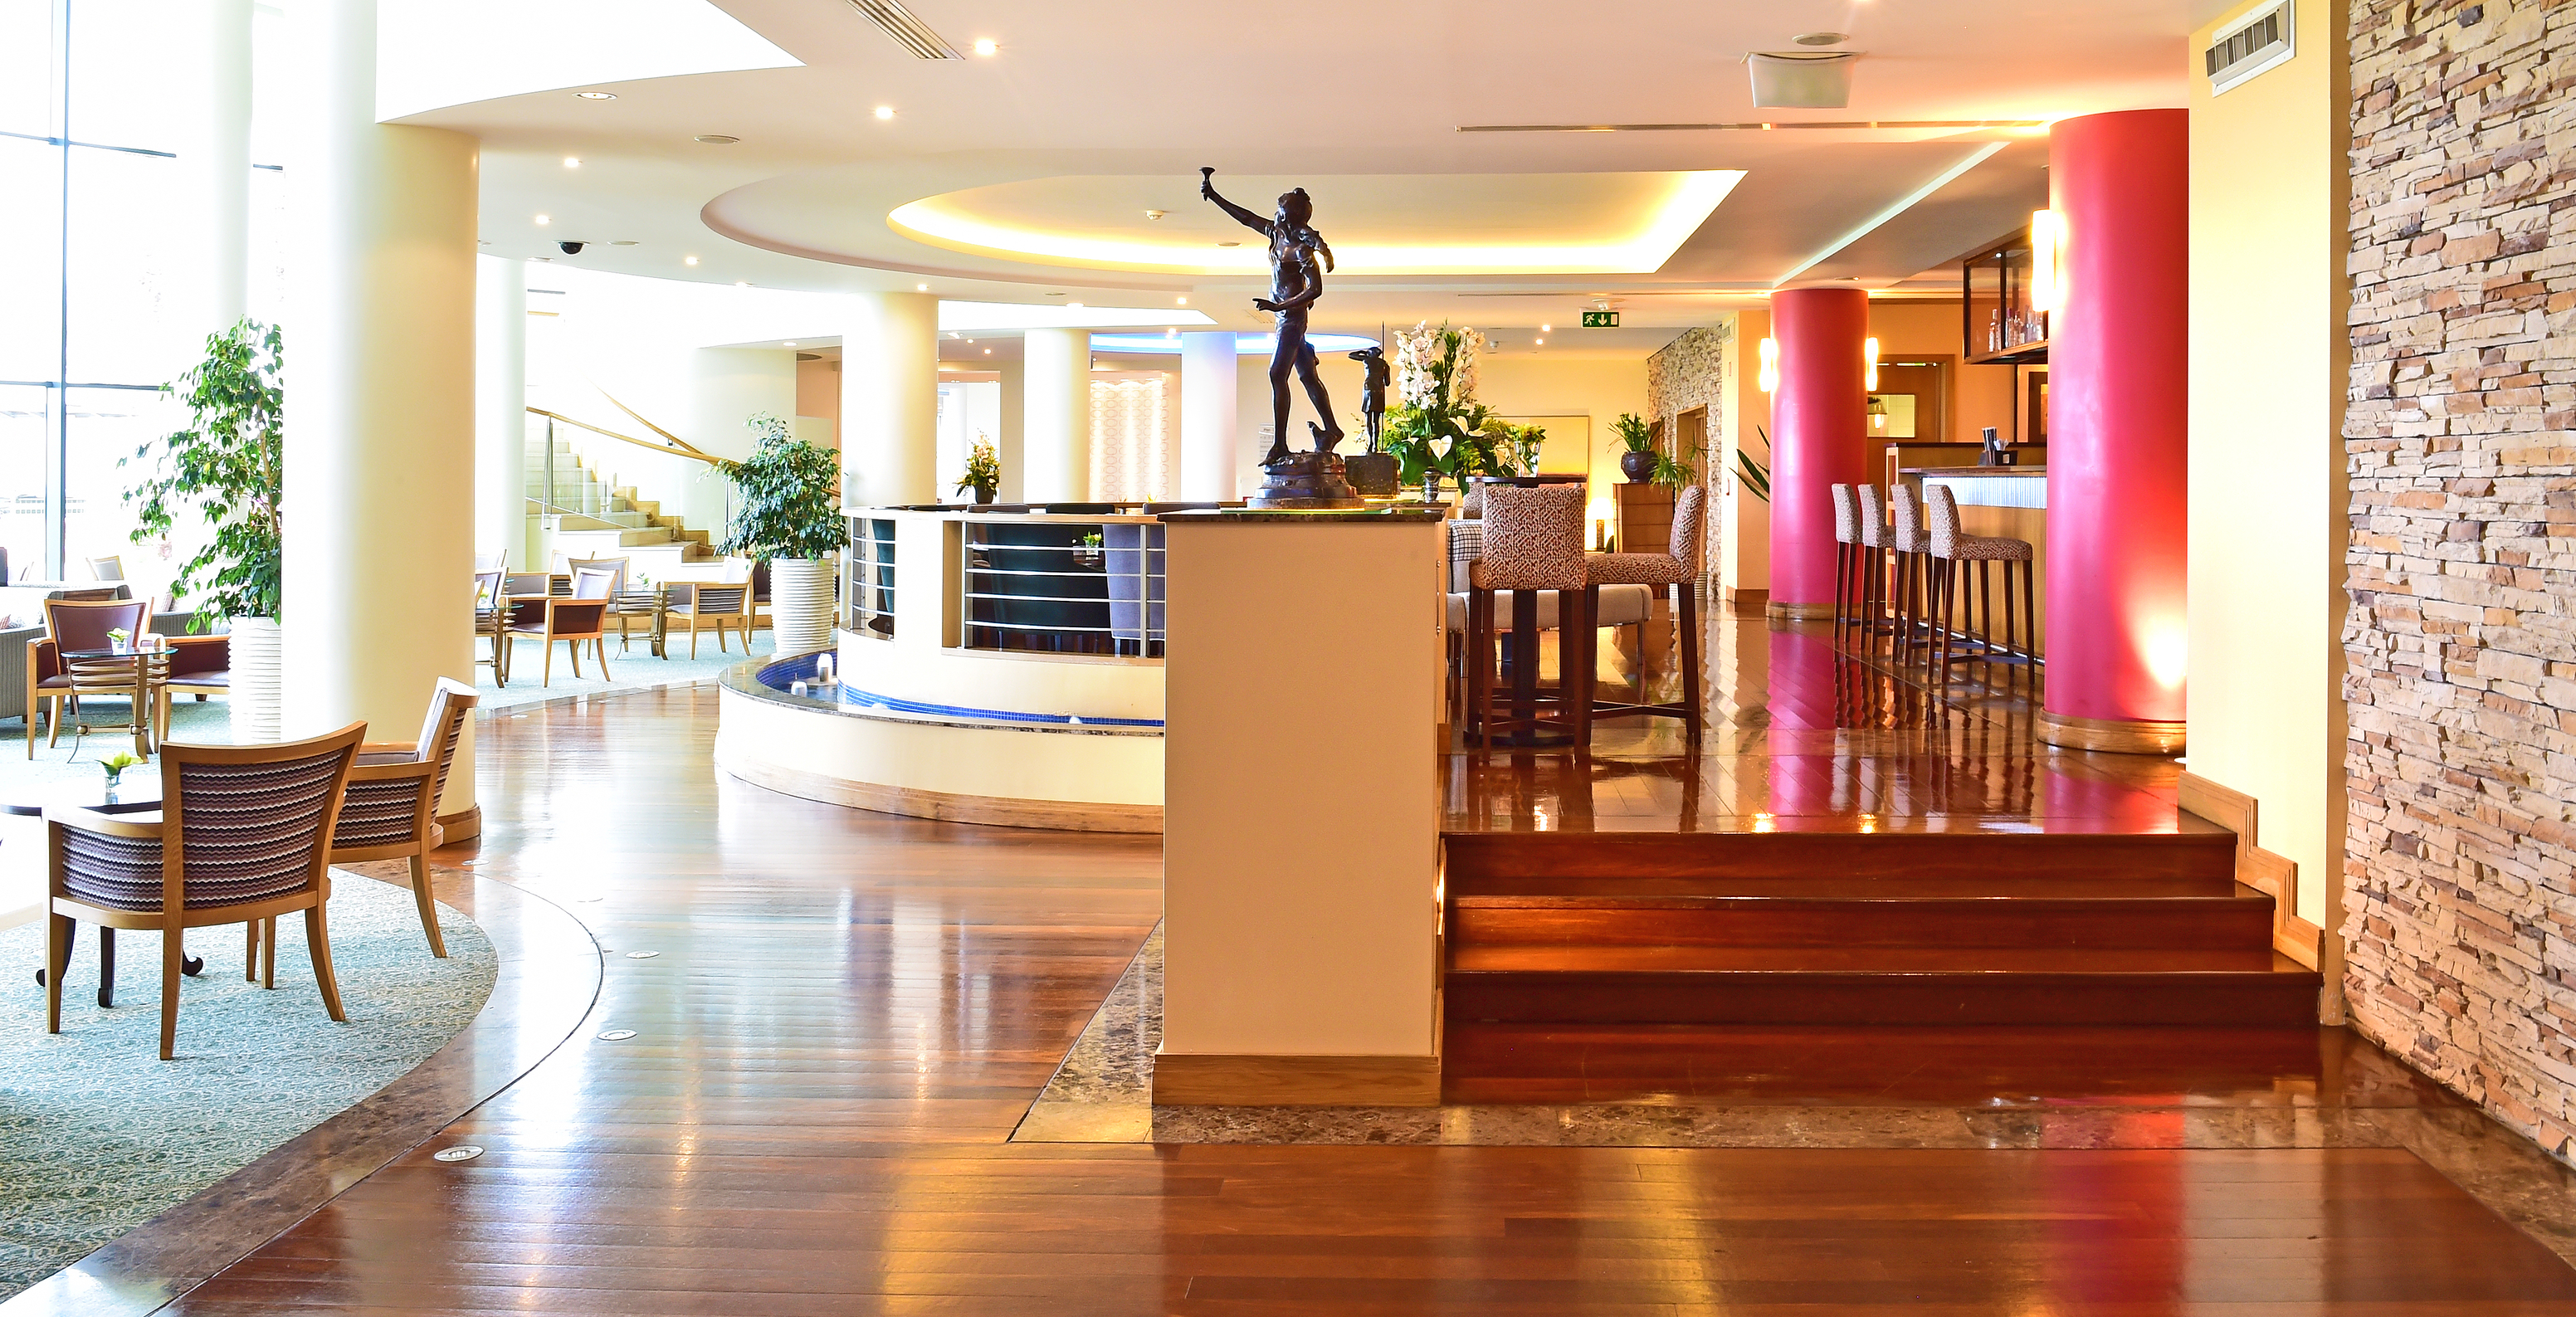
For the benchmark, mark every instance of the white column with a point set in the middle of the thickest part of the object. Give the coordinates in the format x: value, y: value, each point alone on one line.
x: 1010, y: 446
x: 890, y: 400
x: 1208, y: 438
x: 501, y: 410
x: 380, y: 430
x: 1056, y: 425
x: 214, y: 162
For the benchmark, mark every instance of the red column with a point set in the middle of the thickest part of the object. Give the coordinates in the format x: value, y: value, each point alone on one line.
x: 2120, y: 184
x: 1819, y: 432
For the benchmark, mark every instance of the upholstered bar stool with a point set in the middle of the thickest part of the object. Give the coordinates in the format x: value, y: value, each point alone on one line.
x: 1533, y: 541
x: 1913, y: 547
x: 1950, y: 550
x: 1874, y: 538
x: 1847, y: 559
x: 1677, y: 566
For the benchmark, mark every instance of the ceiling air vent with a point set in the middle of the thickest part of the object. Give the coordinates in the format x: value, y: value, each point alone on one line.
x: 908, y: 32
x: 2254, y: 44
x: 1801, y: 80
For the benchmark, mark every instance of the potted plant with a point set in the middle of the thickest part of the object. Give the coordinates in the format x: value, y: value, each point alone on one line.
x: 226, y: 470
x: 983, y: 470
x: 791, y: 519
x: 1638, y: 463
x: 1435, y: 384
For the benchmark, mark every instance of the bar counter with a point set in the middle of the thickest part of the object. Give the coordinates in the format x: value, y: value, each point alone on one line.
x: 2010, y: 502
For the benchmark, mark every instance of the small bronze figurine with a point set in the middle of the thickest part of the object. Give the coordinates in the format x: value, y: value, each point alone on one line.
x: 1298, y: 261
x: 1373, y: 390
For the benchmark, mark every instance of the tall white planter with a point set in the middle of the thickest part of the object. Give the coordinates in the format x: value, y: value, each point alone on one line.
x: 258, y: 692
x: 800, y: 604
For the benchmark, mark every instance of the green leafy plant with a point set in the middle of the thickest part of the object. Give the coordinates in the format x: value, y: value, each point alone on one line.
x: 227, y: 470
x: 1634, y: 432
x: 117, y: 763
x: 983, y: 470
x: 1437, y: 424
x: 1672, y: 473
x: 1755, y: 476
x: 791, y: 504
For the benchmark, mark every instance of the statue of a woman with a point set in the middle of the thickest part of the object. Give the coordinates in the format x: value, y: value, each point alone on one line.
x: 1298, y: 260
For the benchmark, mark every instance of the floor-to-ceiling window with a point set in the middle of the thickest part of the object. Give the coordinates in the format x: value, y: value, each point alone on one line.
x: 95, y: 309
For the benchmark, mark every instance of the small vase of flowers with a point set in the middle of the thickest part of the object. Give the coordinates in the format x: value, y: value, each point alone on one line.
x: 115, y: 766
x: 983, y: 470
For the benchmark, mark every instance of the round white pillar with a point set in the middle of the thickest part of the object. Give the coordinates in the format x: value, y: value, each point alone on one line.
x: 1055, y: 437
x: 1208, y: 418
x: 890, y: 401
x: 379, y: 503
x: 501, y: 410
x: 214, y: 162
x: 1008, y: 445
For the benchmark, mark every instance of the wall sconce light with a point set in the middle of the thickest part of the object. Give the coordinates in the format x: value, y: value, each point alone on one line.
x: 1770, y: 364
x: 2047, y: 280
x: 1869, y: 365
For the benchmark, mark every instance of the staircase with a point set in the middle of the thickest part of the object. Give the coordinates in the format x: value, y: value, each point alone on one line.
x: 598, y: 519
x: 1867, y: 931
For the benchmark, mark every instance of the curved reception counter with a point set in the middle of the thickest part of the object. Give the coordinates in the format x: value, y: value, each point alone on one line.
x: 1001, y: 665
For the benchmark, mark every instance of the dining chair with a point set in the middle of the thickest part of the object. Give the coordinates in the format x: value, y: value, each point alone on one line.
x: 72, y: 625
x: 581, y: 617
x: 491, y: 562
x: 492, y: 622
x: 1677, y: 568
x: 720, y: 608
x: 199, y: 666
x: 244, y: 836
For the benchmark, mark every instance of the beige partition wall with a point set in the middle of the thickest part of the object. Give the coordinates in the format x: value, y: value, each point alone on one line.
x: 1300, y: 819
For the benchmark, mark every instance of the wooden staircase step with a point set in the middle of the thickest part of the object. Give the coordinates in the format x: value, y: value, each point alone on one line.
x: 1824, y: 884
x: 2242, y: 919
x: 2279, y: 994
x: 1514, y: 859
x: 1598, y: 960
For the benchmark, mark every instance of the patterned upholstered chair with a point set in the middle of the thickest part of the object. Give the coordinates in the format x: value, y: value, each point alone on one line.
x: 1848, y: 553
x: 1876, y: 538
x: 1951, y: 550
x: 1912, y: 545
x: 390, y: 811
x: 1676, y: 567
x: 244, y: 836
x: 707, y: 606
x: 1533, y: 541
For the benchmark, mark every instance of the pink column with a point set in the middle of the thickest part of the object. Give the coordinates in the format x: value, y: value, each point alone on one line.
x: 1819, y: 433
x: 2119, y: 184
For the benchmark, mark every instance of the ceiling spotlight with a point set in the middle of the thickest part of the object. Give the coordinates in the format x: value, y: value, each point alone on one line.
x: 787, y: 345
x: 1821, y: 38
x: 596, y: 95
x: 1540, y: 342
x: 545, y: 219
x: 688, y: 260
x: 885, y: 111
x: 988, y: 352
x: 572, y: 162
x: 986, y: 45
x: 716, y: 139
x: 1153, y: 214
x: 1547, y: 329
x: 1183, y: 301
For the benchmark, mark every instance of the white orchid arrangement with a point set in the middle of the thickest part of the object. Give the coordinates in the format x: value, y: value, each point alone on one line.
x: 1435, y: 387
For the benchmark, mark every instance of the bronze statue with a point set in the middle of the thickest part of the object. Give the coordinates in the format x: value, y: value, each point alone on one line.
x: 1372, y: 359
x: 1298, y: 261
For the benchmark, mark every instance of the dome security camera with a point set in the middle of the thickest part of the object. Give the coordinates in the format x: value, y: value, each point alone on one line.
x: 570, y: 248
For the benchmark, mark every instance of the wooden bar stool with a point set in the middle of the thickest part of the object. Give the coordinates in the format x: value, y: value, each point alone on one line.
x: 1678, y: 566
x: 1950, y: 548
x: 1533, y: 541
x: 1913, y: 547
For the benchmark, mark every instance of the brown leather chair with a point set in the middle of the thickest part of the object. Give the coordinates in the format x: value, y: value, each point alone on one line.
x: 76, y: 625
x: 199, y: 666
x: 244, y: 836
x: 583, y: 617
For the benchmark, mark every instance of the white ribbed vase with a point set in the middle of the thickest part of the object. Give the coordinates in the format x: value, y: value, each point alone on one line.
x: 800, y: 605
x: 257, y: 695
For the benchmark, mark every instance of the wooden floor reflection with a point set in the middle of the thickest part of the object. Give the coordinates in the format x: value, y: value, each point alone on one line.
x: 1805, y: 736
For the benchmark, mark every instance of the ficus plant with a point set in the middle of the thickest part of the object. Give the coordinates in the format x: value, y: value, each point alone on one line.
x: 791, y: 497
x: 227, y: 470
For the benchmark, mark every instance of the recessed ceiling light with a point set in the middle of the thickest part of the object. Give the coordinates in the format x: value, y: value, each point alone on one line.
x: 688, y: 260
x: 885, y: 111
x: 971, y: 341
x: 986, y: 45
x: 545, y: 219
x: 623, y: 242
x: 1821, y: 38
x: 787, y: 345
x: 921, y: 288
x: 572, y: 162
x: 742, y: 283
x: 596, y: 95
x: 988, y: 352
x: 1540, y: 342
x: 1153, y: 214
x: 1184, y: 301
x: 717, y: 139
x: 1547, y: 329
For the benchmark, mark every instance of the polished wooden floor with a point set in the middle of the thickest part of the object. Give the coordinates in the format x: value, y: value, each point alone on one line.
x: 847, y: 1014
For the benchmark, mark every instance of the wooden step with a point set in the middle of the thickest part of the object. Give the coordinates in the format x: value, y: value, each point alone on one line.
x: 1846, y: 864
x: 1978, y: 986
x: 2243, y: 919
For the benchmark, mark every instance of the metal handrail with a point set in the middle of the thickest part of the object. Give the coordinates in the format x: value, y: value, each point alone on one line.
x: 675, y: 448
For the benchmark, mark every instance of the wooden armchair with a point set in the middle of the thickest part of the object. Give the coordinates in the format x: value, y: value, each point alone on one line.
x: 492, y: 622
x: 199, y: 666
x: 244, y: 837
x: 76, y: 625
x: 575, y: 620
x: 390, y: 810
x: 720, y: 608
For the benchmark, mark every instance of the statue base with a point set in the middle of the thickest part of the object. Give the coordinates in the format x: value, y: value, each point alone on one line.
x: 1307, y: 481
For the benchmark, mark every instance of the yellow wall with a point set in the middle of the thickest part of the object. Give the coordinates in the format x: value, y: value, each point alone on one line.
x: 2268, y: 355
x: 1742, y: 560
x: 1979, y: 395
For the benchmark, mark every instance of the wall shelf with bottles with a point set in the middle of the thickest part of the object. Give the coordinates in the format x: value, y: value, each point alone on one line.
x: 2000, y: 325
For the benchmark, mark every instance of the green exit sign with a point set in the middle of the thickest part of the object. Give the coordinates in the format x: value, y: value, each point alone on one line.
x: 1600, y: 320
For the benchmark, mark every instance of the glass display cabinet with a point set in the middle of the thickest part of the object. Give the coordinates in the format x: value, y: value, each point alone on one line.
x: 1999, y: 323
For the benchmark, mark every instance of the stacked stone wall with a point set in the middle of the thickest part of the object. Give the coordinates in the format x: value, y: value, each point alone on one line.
x: 2460, y: 444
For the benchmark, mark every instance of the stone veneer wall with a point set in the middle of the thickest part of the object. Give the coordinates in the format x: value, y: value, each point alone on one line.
x: 1691, y: 371
x: 2460, y: 890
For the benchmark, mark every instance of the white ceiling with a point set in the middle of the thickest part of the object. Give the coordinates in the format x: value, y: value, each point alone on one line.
x: 1153, y: 89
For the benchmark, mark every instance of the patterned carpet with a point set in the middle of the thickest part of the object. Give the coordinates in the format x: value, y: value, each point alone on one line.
x: 97, y: 1134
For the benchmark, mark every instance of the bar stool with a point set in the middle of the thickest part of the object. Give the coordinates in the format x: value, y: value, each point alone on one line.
x: 1677, y: 566
x: 1913, y: 547
x: 1533, y: 541
x: 1847, y: 558
x: 1874, y: 539
x: 1951, y: 548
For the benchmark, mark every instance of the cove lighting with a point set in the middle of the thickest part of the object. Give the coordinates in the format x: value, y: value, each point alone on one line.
x: 1869, y: 365
x: 1687, y: 200
x: 1245, y: 345
x: 2047, y: 279
x: 1770, y: 364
